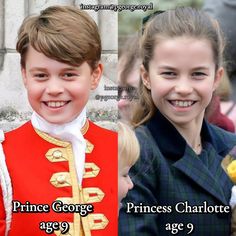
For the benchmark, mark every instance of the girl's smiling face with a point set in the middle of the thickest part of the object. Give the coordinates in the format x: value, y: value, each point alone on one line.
x: 182, y: 78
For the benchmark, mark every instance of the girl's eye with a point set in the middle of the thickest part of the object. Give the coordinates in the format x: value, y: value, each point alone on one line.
x: 168, y: 74
x: 199, y: 75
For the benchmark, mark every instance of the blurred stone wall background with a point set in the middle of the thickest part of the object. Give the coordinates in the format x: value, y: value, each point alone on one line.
x: 130, y: 22
x: 115, y: 27
x: 14, y: 107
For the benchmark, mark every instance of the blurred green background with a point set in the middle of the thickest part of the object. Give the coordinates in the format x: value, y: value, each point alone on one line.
x: 130, y: 22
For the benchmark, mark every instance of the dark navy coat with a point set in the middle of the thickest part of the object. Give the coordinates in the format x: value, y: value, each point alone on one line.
x: 170, y: 172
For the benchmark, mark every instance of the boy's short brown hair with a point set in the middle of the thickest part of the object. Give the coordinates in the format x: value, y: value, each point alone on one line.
x: 63, y: 33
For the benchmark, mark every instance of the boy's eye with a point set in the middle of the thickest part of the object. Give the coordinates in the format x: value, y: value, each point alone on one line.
x: 69, y: 75
x: 40, y: 75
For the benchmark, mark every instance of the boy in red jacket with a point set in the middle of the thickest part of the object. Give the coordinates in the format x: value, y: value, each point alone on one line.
x: 62, y: 167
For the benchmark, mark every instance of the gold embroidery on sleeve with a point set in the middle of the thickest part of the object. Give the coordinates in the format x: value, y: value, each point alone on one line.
x: 92, y: 195
x: 90, y: 170
x: 97, y: 221
x: 89, y: 147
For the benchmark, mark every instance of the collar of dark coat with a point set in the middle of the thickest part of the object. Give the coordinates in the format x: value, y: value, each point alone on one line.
x: 171, y: 143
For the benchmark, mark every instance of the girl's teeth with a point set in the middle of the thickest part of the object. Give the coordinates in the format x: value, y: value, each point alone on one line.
x: 55, y: 104
x: 182, y: 103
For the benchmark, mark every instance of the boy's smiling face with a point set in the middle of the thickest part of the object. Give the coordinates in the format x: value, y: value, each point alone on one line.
x: 58, y: 92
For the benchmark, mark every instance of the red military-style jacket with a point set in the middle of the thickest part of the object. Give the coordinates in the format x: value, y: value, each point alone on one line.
x: 42, y: 170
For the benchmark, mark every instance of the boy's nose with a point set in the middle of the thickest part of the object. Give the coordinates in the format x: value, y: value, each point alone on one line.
x: 54, y: 87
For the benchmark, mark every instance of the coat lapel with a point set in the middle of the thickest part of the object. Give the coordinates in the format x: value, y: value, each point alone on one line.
x: 212, y: 179
x: 217, y: 143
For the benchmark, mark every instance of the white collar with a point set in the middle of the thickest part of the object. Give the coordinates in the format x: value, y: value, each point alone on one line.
x: 70, y: 132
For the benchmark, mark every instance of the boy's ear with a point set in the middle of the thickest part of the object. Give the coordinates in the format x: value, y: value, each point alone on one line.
x: 96, y: 76
x: 218, y: 76
x: 23, y: 73
x: 145, y: 77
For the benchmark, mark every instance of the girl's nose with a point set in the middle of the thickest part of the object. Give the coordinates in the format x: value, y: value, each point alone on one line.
x: 183, y: 87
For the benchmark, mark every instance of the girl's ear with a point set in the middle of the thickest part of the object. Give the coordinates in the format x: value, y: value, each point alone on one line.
x: 96, y: 76
x: 145, y: 77
x: 218, y: 76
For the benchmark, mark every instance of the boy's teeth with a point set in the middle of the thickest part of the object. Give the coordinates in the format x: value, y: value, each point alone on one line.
x: 182, y: 103
x: 55, y: 104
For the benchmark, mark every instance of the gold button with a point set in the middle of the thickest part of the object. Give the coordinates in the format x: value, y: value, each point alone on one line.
x: 61, y: 179
x: 57, y: 154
